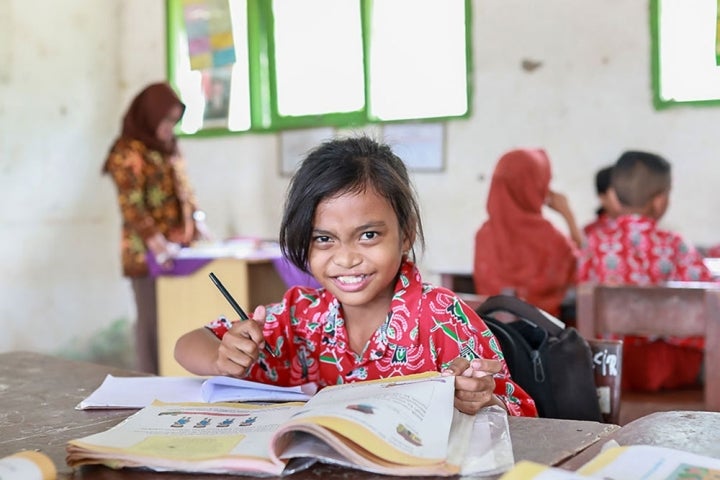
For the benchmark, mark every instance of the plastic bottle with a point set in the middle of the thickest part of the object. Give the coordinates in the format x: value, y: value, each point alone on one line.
x: 27, y: 465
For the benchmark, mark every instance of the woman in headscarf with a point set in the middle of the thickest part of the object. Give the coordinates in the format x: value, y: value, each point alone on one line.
x: 158, y: 208
x: 517, y: 250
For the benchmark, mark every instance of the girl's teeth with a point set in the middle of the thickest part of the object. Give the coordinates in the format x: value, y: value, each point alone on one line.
x: 353, y: 279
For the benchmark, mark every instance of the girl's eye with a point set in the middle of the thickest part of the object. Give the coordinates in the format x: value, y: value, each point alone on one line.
x: 368, y: 235
x: 321, y: 239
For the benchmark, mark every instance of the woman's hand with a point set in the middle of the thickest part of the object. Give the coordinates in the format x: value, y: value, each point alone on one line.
x: 163, y: 251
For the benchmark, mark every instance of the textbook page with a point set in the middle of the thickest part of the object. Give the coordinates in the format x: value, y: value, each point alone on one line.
x: 649, y: 462
x: 398, y: 425
x: 526, y: 470
x: 190, y: 437
x: 634, y: 462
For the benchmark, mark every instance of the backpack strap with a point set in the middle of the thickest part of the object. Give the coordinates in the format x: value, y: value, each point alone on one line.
x: 519, y: 308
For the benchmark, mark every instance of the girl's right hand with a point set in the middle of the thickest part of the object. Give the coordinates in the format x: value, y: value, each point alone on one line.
x: 241, y: 345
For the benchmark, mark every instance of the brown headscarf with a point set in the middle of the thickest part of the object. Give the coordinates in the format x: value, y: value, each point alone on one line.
x: 517, y: 248
x: 145, y: 113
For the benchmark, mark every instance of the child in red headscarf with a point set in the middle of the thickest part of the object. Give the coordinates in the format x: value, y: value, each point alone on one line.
x: 517, y: 250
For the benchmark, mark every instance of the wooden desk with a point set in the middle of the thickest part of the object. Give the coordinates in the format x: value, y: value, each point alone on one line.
x: 695, y: 432
x: 39, y: 393
x: 190, y: 301
x: 690, y: 309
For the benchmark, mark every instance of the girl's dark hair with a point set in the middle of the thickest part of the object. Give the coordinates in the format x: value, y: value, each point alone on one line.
x: 339, y: 166
x: 602, y: 184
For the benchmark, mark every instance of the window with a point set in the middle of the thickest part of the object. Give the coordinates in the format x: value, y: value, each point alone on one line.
x: 685, y: 70
x: 318, y: 63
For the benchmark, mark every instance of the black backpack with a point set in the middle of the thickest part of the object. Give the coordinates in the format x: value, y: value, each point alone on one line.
x: 553, y: 364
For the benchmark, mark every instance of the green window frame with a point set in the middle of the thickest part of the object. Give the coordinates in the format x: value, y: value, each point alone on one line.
x: 383, y: 84
x: 684, y: 66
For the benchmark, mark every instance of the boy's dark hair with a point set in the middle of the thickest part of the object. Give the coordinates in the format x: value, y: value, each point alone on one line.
x: 638, y: 177
x: 338, y: 166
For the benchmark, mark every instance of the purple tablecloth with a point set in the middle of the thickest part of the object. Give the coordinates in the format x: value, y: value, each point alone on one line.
x: 289, y: 273
x: 292, y: 275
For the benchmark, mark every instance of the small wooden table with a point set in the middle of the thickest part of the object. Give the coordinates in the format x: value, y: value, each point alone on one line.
x: 690, y: 431
x: 187, y: 302
x: 38, y: 394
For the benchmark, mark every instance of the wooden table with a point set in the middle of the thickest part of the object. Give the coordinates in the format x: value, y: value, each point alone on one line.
x: 690, y: 431
x: 187, y: 302
x: 38, y: 394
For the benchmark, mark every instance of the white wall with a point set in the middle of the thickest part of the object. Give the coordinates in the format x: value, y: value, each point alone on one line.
x: 68, y: 69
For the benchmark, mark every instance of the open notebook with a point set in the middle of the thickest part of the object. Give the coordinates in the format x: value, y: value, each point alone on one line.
x: 139, y: 392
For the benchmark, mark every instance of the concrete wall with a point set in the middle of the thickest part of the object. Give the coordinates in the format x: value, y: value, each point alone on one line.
x: 68, y: 69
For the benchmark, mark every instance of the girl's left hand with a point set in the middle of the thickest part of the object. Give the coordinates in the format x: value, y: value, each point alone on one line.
x: 474, y: 383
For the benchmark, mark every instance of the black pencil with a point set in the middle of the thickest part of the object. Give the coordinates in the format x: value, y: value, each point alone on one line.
x: 236, y: 306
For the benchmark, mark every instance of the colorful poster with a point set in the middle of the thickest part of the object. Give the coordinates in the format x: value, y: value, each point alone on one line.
x: 208, y: 26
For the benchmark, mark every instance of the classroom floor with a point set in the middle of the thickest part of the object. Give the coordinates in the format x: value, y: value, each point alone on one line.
x: 635, y: 405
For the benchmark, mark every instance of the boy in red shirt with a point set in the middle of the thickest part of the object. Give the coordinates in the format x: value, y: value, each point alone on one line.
x: 633, y: 250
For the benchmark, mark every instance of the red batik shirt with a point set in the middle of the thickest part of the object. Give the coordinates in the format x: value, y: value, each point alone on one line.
x: 633, y: 251
x: 603, y: 220
x: 427, y: 327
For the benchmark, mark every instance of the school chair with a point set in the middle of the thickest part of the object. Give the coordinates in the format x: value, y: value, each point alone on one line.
x: 677, y: 309
x: 462, y: 284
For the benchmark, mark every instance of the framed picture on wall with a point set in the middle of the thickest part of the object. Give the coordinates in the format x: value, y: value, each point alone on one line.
x: 295, y: 144
x: 420, y: 145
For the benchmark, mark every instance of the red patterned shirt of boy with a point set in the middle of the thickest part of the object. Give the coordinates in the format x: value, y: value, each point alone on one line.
x: 632, y: 250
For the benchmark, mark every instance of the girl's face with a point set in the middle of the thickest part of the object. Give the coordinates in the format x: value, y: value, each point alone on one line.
x: 356, y: 250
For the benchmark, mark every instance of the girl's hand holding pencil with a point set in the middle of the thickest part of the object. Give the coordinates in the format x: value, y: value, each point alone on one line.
x: 240, y: 347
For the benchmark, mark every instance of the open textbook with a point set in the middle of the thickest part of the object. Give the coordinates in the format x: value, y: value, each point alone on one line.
x: 139, y: 392
x: 401, y: 426
x: 634, y: 462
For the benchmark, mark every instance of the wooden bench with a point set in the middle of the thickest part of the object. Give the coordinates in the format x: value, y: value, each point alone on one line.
x: 691, y: 309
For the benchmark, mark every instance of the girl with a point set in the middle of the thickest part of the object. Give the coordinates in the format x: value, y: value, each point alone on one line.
x: 351, y: 219
x: 517, y: 249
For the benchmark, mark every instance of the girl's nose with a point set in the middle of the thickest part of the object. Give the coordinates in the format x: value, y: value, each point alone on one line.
x: 347, y: 257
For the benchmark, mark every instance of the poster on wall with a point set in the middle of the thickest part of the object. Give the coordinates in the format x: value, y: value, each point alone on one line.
x: 208, y: 27
x: 420, y: 145
x: 295, y: 145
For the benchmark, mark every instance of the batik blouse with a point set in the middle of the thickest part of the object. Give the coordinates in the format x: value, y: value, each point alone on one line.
x: 154, y: 196
x: 426, y: 328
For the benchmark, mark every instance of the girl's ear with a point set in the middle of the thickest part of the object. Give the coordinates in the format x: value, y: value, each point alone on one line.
x: 408, y: 242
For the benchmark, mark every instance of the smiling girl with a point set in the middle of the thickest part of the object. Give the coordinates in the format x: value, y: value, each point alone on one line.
x: 351, y: 219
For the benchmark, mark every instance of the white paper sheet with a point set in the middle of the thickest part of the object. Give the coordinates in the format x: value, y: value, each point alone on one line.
x: 139, y: 392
